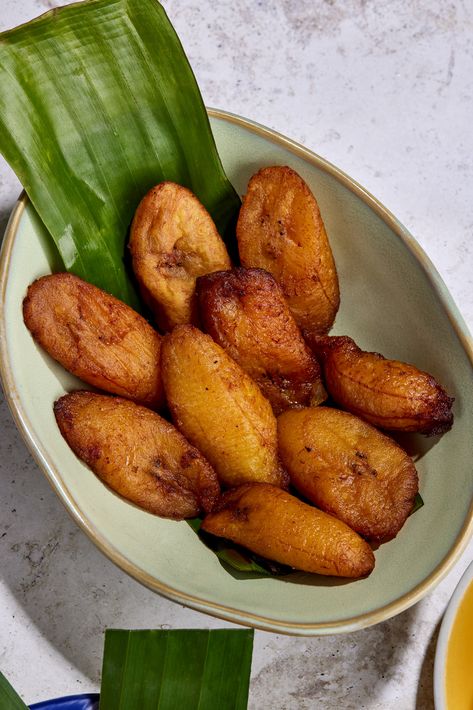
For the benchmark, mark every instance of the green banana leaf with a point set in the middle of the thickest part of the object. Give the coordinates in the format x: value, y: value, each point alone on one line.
x: 168, y: 669
x: 418, y: 503
x: 235, y: 558
x: 9, y: 699
x: 98, y: 103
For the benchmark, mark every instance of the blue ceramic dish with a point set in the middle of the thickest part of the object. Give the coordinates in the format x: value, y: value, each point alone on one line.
x: 71, y: 702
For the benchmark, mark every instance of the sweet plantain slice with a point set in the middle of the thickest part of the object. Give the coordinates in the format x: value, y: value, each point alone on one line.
x: 173, y: 240
x: 219, y: 408
x: 138, y: 454
x: 389, y: 394
x: 95, y: 336
x: 276, y: 525
x: 244, y: 310
x: 280, y: 229
x: 349, y: 469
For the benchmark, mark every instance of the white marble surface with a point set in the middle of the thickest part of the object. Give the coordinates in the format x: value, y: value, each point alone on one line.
x: 383, y: 89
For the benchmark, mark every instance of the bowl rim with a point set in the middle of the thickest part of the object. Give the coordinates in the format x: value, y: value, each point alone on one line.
x: 446, y: 627
x: 222, y: 611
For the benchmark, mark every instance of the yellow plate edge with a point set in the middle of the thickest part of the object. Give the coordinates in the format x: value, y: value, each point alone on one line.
x: 443, y: 641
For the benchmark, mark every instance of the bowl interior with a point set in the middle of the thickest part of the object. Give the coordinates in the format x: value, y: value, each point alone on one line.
x: 392, y: 301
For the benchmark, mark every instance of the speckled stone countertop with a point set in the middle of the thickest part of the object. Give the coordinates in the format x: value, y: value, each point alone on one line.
x: 383, y: 89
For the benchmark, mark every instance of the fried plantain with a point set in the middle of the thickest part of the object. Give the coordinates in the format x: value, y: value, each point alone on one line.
x: 138, y: 454
x: 280, y: 229
x: 349, y: 469
x: 276, y: 525
x: 219, y: 408
x: 95, y: 336
x: 173, y: 240
x: 390, y: 394
x: 244, y: 310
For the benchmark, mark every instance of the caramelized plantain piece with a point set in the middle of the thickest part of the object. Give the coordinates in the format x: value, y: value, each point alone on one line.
x: 280, y: 229
x: 219, y: 408
x: 245, y: 312
x: 95, y: 336
x: 389, y: 394
x: 137, y: 454
x: 349, y: 469
x: 276, y: 525
x: 173, y: 240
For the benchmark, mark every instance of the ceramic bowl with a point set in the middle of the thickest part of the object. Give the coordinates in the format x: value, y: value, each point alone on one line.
x: 392, y: 301
x: 453, y: 679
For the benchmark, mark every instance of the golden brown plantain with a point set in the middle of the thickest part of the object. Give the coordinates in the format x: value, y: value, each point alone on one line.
x: 280, y: 229
x: 138, y: 454
x: 245, y: 312
x: 349, y: 469
x: 173, y: 240
x: 387, y: 393
x: 278, y: 526
x: 95, y: 336
x: 219, y: 408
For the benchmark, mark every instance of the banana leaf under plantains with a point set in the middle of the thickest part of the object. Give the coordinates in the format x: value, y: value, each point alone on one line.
x: 98, y: 103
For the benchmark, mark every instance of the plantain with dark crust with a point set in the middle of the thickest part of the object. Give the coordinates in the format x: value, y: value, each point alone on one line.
x: 280, y: 229
x: 276, y: 525
x: 390, y: 394
x: 137, y: 454
x: 349, y: 469
x: 244, y: 310
x: 95, y: 336
x: 173, y: 240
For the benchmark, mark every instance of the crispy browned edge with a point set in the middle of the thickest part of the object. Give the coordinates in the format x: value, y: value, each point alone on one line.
x: 440, y: 416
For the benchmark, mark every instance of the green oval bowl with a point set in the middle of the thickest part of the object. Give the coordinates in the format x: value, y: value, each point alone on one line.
x: 392, y: 301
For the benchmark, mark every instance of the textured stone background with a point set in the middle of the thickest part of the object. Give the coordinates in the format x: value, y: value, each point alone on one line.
x: 383, y: 89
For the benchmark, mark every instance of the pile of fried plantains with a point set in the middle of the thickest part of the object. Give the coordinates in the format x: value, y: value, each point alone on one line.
x: 242, y: 369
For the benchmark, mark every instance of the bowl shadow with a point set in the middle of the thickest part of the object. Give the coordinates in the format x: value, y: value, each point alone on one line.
x: 350, y: 671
